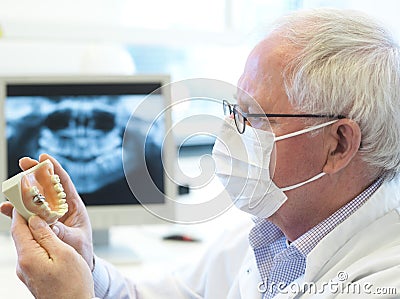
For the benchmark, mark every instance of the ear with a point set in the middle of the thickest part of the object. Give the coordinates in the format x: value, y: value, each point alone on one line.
x: 343, y: 140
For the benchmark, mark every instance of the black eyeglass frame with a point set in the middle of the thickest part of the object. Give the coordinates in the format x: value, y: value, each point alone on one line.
x: 233, y: 108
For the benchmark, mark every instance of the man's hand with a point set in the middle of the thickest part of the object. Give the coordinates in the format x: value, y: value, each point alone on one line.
x: 74, y: 227
x: 47, y: 266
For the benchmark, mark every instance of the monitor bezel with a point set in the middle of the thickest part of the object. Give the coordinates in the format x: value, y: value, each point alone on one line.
x: 104, y: 216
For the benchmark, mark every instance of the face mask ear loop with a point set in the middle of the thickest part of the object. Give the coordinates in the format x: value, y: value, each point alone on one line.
x: 305, y: 130
x: 303, y: 183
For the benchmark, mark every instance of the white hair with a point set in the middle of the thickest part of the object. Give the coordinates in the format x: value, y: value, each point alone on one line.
x: 346, y: 63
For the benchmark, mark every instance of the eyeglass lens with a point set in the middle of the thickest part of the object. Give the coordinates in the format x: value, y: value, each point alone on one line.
x: 227, y: 108
x: 237, y: 115
x: 239, y: 120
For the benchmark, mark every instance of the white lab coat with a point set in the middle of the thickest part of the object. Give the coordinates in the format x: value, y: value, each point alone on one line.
x: 363, y: 250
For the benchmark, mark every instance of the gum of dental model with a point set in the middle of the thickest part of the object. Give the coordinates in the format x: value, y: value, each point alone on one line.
x: 37, y: 191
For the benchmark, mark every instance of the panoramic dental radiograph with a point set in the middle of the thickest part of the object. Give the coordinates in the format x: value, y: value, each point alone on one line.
x: 37, y: 191
x: 85, y: 134
x: 86, y: 138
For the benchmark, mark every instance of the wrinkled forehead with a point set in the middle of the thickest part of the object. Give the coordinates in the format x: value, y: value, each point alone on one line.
x: 261, y: 86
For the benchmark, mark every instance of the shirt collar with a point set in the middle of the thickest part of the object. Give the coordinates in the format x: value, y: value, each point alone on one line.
x: 264, y: 232
x: 306, y: 242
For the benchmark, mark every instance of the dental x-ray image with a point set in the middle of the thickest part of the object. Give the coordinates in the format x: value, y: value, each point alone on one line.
x: 85, y: 134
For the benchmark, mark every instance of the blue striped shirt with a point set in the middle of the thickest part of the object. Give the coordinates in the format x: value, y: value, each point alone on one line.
x: 278, y: 262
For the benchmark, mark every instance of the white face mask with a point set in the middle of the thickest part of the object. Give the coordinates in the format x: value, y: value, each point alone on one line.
x: 243, y: 166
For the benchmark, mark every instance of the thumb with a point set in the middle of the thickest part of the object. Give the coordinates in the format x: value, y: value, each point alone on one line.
x: 43, y: 234
x: 63, y: 232
x: 6, y: 208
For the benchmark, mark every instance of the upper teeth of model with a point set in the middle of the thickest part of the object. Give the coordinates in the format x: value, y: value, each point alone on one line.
x: 61, y: 207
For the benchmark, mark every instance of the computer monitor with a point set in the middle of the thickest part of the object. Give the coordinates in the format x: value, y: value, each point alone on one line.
x: 81, y: 121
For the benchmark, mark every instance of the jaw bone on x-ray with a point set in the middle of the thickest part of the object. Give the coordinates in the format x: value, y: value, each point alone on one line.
x: 86, y: 138
x: 83, y: 132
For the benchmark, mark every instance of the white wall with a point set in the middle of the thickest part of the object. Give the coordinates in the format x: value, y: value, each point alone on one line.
x: 25, y: 57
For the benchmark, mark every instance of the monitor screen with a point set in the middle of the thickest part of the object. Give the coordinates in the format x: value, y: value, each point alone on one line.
x: 81, y: 121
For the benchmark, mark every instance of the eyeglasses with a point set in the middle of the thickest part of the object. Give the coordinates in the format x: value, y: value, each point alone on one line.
x: 260, y: 120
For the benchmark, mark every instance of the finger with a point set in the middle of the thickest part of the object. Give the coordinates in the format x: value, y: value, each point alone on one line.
x: 23, y: 240
x: 74, y: 237
x: 43, y: 235
x: 65, y: 233
x: 59, y: 229
x: 6, y: 208
x: 21, y: 233
x: 26, y: 163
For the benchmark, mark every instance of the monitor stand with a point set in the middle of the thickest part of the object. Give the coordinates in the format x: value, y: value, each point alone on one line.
x: 113, y: 253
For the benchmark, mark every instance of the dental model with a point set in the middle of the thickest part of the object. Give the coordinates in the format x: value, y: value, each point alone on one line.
x: 37, y: 191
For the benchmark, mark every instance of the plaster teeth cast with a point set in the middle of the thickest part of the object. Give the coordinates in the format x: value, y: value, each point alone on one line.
x: 61, y: 195
x: 45, y: 207
x: 39, y: 199
x: 34, y: 191
x: 37, y: 191
x: 58, y: 187
x: 55, y: 179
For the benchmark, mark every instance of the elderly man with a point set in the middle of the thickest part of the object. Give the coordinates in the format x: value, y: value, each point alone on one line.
x: 327, y: 224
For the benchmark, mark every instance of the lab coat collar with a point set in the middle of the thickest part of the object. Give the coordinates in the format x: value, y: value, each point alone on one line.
x: 384, y: 200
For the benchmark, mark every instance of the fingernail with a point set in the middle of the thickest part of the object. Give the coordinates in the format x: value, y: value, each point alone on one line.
x: 35, y: 222
x: 55, y: 229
